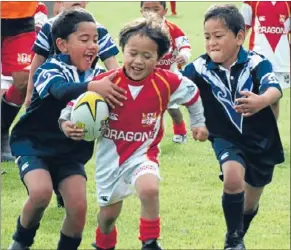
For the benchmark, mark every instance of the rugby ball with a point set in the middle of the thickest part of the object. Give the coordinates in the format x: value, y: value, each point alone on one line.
x: 90, y: 111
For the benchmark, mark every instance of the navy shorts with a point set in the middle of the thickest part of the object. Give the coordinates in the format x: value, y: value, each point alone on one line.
x: 257, y: 173
x: 59, y: 168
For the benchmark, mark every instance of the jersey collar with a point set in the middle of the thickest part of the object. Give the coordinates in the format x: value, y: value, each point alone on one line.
x: 242, y: 58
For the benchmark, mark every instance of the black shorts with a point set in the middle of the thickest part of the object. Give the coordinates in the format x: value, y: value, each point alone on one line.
x: 257, y: 173
x: 58, y: 168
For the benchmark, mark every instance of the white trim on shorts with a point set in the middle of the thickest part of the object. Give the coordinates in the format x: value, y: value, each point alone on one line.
x: 122, y: 180
x: 6, y: 82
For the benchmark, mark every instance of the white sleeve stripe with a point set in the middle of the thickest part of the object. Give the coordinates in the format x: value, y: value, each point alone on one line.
x: 41, y: 46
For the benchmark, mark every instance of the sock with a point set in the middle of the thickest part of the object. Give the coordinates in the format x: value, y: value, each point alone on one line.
x: 233, y: 211
x: 106, y: 241
x: 248, y: 219
x: 8, y: 113
x: 23, y: 235
x: 68, y: 243
x: 149, y: 229
x: 179, y: 129
x: 173, y: 7
x: 13, y: 95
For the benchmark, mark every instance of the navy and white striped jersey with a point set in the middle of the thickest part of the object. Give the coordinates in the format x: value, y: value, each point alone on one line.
x: 56, y: 82
x: 44, y: 43
x: 257, y: 134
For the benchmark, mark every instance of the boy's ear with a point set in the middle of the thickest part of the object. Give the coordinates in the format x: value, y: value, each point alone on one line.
x: 61, y: 45
x: 240, y: 37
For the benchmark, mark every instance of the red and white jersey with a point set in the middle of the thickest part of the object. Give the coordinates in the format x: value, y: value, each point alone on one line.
x: 135, y: 130
x: 179, y: 45
x: 40, y: 16
x: 270, y: 23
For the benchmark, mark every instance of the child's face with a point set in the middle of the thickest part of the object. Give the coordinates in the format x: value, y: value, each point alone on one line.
x: 140, y: 57
x: 82, y: 45
x: 155, y: 7
x: 221, y: 44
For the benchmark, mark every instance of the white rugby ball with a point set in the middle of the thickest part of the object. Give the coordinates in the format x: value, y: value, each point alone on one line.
x: 90, y: 111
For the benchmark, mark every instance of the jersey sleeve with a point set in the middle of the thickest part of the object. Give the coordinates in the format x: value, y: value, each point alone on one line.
x: 265, y: 76
x: 181, y: 40
x: 247, y: 13
x: 49, y: 80
x: 66, y: 112
x: 186, y: 93
x: 107, y: 47
x: 43, y: 43
x: 189, y: 71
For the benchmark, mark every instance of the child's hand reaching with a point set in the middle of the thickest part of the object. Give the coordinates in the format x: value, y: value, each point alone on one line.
x: 71, y: 130
x: 111, y: 93
x: 249, y: 104
x: 181, y: 60
x: 200, y: 133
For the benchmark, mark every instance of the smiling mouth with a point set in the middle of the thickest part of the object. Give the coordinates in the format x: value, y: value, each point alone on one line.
x: 137, y: 69
x: 89, y: 58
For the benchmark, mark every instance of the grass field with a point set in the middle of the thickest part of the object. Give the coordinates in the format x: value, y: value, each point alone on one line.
x: 190, y: 193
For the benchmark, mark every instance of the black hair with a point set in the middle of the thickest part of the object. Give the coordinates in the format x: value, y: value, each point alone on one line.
x: 229, y: 14
x: 67, y: 23
x: 163, y: 3
x: 148, y: 27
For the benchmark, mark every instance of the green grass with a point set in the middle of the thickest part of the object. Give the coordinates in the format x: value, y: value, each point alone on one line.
x: 190, y: 194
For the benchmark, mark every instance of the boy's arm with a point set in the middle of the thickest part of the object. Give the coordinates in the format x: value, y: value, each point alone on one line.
x: 49, y: 80
x: 111, y: 63
x: 183, y: 46
x: 269, y: 91
x: 187, y: 94
x: 196, y: 112
x: 43, y: 42
x: 41, y: 47
x: 68, y: 127
x: 66, y: 113
x: 107, y: 48
x: 36, y: 62
x: 269, y: 86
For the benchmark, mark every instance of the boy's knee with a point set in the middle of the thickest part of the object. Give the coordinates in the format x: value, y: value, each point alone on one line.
x: 233, y: 186
x: 150, y: 192
x: 234, y: 183
x: 78, y: 210
x: 40, y: 198
x: 233, y: 173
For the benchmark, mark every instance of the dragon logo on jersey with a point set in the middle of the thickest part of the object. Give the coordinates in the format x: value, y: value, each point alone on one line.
x: 224, y: 95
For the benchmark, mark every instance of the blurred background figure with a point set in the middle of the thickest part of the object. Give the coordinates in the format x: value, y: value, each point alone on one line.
x: 270, y: 31
x: 173, y: 8
x: 18, y: 33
